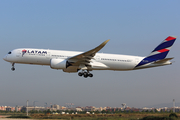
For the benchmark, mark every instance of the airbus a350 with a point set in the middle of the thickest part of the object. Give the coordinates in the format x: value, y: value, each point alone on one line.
x: 84, y: 62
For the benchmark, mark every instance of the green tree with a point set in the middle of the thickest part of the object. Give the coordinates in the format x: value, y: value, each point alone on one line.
x: 170, y: 111
x: 66, y: 111
x: 146, y: 111
x: 155, y: 111
x: 103, y: 111
x: 58, y: 111
x: 49, y: 111
x: 96, y: 112
x: 108, y: 111
x: 23, y: 111
x: 71, y: 111
x: 45, y: 112
x: 40, y: 111
x: 151, y: 111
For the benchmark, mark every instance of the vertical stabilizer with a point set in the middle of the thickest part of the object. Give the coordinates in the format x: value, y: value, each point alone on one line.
x: 160, y: 52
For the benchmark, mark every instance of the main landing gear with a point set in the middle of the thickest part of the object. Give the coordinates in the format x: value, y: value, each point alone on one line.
x: 13, y: 68
x: 85, y: 74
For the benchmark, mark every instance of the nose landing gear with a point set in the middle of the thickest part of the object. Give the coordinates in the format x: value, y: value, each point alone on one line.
x: 85, y: 74
x: 13, y: 68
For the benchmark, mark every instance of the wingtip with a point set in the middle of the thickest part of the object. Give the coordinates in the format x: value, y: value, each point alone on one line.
x: 107, y: 40
x: 173, y: 36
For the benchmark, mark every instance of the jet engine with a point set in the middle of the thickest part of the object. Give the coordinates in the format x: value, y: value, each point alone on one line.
x: 58, y: 64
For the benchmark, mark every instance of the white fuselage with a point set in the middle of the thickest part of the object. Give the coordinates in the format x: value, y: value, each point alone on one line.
x: 73, y: 61
x: 101, y: 61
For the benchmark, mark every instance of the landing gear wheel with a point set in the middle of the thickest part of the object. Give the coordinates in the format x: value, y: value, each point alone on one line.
x: 13, y: 69
x: 90, y: 75
x: 85, y: 74
x: 80, y: 73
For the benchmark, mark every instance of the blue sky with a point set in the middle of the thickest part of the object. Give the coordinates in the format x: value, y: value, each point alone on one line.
x: 133, y: 27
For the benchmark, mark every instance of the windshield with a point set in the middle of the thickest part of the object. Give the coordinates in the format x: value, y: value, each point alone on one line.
x: 9, y: 52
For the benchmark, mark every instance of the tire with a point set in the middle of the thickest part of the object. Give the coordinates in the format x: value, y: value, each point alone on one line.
x: 85, y: 74
x: 90, y: 75
x: 80, y: 73
x: 12, y: 69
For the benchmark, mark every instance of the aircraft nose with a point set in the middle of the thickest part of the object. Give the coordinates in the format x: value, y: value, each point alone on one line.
x: 5, y: 58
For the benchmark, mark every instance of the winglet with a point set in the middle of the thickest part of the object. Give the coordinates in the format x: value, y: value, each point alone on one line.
x: 104, y: 43
x: 95, y: 50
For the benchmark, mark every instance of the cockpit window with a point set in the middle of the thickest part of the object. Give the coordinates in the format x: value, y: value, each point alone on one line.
x: 9, y: 52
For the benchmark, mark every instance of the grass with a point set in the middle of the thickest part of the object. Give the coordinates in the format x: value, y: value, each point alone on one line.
x: 123, y: 116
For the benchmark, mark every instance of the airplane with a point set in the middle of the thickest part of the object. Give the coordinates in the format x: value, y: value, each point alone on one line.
x: 73, y: 61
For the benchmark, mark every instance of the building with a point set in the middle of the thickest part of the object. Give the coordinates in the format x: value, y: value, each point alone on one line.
x: 55, y: 106
x: 78, y: 109
x: 24, y: 108
x: 8, y: 109
x: 17, y: 108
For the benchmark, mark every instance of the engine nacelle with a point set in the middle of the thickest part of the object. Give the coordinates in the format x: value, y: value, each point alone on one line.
x: 58, y: 64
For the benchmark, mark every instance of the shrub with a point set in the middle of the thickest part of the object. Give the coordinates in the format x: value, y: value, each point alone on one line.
x: 156, y: 118
x: 173, y: 115
x: 19, y: 116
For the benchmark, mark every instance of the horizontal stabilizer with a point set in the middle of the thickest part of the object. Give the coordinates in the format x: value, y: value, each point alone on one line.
x: 163, y: 60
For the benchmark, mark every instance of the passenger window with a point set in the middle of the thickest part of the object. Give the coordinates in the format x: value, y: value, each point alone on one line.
x: 9, y: 52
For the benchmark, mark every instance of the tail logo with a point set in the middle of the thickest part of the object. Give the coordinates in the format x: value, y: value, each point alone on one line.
x: 160, y: 52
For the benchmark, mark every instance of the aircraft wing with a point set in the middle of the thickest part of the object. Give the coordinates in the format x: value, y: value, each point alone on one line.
x: 85, y: 58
